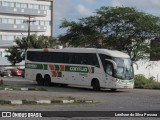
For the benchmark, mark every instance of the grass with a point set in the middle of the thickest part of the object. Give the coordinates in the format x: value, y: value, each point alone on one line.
x: 147, y: 83
x: 9, y: 87
x: 29, y: 102
x: 2, y: 102
x: 155, y: 85
x: 41, y: 89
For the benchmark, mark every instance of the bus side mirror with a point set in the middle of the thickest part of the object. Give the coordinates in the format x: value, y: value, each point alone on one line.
x: 135, y: 64
x: 114, y: 63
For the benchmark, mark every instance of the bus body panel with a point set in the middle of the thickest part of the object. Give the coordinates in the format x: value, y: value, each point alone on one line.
x: 78, y: 74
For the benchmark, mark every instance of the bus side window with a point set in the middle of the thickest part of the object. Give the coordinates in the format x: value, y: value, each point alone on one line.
x: 94, y: 60
x: 46, y: 57
x: 103, y: 57
x: 79, y: 58
x: 109, y: 68
x: 83, y: 59
x: 71, y: 58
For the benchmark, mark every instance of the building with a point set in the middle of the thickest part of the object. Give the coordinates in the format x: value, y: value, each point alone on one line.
x: 18, y: 18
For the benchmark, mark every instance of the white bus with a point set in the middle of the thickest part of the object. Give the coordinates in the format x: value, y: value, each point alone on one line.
x: 97, y: 68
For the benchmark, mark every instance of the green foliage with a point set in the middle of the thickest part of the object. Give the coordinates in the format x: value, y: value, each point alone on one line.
x: 80, y: 35
x: 142, y: 82
x: 24, y: 101
x: 17, y: 53
x: 121, y: 28
x: 4, y: 102
x: 36, y: 42
x: 139, y: 81
x: 154, y: 85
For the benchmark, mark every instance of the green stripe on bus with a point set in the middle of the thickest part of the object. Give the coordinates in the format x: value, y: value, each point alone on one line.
x: 68, y: 68
x: 56, y: 67
x: 33, y: 66
x: 126, y: 81
x: 45, y: 67
x: 79, y: 69
x: 59, y: 74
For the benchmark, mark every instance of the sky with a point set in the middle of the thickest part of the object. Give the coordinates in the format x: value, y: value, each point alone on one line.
x: 72, y: 10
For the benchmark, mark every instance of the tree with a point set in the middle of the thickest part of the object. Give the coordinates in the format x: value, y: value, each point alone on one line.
x: 17, y: 53
x: 80, y: 35
x: 121, y: 28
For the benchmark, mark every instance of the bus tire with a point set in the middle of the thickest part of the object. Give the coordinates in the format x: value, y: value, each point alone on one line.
x: 39, y: 79
x: 95, y: 84
x: 63, y: 85
x: 47, y: 80
x: 113, y: 90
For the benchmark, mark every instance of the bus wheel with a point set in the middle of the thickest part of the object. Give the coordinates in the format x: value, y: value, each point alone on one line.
x: 47, y: 80
x: 96, y: 85
x: 113, y: 90
x: 39, y: 79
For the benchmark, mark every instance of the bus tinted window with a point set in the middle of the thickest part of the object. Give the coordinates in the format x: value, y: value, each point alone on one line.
x: 68, y: 58
x: 103, y: 57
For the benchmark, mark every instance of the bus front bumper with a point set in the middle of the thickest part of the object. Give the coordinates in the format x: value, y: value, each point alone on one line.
x: 124, y: 84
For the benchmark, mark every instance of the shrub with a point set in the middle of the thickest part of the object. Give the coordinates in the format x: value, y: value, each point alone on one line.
x: 155, y: 85
x: 2, y: 102
x: 142, y: 82
x: 139, y: 81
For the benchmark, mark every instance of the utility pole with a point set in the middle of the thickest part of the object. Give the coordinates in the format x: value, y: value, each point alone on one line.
x: 29, y: 27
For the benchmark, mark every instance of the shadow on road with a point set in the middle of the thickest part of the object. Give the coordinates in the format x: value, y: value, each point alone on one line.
x: 20, y: 82
x: 74, y: 88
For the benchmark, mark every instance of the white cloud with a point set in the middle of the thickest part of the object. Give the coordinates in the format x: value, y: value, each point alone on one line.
x: 148, y: 6
x: 83, y: 10
x: 116, y: 3
x: 72, y: 10
x: 138, y: 3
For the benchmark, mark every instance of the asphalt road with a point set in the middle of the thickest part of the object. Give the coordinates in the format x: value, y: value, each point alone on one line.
x: 122, y: 100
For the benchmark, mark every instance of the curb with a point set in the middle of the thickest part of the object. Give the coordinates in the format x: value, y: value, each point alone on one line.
x: 38, y: 102
x: 23, y: 89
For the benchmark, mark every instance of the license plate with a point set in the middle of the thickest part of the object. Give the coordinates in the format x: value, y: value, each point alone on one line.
x: 125, y: 86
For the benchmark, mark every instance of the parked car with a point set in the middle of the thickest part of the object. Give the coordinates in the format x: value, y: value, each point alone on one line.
x: 23, y: 73
x: 5, y: 73
x: 16, y: 72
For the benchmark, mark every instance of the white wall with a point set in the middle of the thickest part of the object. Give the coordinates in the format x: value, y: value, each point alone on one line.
x: 148, y: 68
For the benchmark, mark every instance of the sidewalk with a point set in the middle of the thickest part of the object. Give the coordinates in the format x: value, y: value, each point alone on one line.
x: 31, y: 96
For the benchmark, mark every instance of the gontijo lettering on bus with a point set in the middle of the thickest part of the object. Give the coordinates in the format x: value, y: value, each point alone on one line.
x: 68, y: 68
x: 81, y: 69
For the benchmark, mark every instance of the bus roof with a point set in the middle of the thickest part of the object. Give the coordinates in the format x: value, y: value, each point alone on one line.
x: 113, y: 53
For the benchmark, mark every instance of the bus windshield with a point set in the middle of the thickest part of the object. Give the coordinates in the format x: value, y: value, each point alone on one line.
x: 124, y: 68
